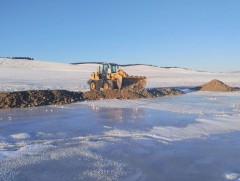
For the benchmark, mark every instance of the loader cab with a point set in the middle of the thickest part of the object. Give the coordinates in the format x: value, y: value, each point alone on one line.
x: 109, y: 68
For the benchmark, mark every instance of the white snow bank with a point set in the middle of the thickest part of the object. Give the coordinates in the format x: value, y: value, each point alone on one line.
x: 232, y: 176
x: 17, y: 75
x: 21, y: 136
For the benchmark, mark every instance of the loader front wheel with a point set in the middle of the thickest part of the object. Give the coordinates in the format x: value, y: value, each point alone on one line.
x: 106, y: 86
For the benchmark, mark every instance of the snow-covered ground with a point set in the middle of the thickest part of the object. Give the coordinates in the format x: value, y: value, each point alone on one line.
x: 195, y: 136
x: 19, y: 75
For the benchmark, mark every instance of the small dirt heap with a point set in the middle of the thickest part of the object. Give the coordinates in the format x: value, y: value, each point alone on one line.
x: 216, y: 86
x: 35, y: 98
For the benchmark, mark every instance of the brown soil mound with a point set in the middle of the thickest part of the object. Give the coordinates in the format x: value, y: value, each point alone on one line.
x: 126, y: 94
x: 34, y: 98
x: 164, y: 92
x: 216, y: 86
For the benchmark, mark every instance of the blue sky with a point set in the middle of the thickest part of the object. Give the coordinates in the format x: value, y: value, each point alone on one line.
x: 202, y: 35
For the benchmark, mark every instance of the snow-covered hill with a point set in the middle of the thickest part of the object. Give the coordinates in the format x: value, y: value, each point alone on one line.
x: 16, y: 75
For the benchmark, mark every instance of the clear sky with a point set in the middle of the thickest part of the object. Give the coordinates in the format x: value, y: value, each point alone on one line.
x: 196, y: 34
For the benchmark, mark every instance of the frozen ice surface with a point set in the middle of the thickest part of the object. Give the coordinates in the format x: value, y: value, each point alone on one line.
x: 191, y: 137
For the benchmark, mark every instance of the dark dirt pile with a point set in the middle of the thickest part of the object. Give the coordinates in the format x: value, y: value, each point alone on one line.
x: 216, y: 86
x: 164, y: 92
x: 126, y: 94
x: 35, y: 98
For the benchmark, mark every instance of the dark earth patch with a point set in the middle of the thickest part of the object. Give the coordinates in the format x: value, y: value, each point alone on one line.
x: 33, y: 98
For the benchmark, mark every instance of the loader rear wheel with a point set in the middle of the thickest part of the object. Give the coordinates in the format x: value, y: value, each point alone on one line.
x: 94, y: 86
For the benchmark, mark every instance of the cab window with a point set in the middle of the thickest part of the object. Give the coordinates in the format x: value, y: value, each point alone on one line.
x: 114, y: 69
x: 105, y: 68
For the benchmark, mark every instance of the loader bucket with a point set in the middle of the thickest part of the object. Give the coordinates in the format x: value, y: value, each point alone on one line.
x: 133, y: 82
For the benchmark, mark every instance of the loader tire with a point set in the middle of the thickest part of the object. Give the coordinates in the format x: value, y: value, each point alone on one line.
x: 107, y: 86
x: 94, y: 86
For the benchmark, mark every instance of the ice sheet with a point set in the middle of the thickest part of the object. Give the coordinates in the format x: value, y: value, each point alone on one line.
x: 189, y: 137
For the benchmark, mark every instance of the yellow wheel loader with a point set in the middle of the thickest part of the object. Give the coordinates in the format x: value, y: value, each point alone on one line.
x: 111, y: 77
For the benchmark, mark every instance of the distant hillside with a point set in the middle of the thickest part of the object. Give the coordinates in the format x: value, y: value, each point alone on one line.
x: 86, y: 63
x: 126, y: 65
x: 24, y: 58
